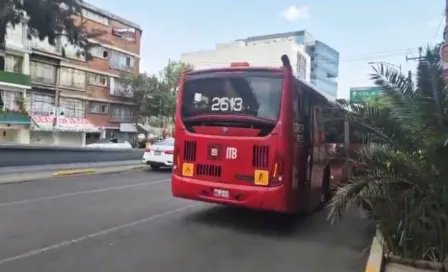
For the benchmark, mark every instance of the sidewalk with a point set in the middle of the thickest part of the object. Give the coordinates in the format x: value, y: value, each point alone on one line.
x: 30, y: 173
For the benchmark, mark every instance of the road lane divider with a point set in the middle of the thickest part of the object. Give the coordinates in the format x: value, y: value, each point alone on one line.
x: 103, y: 232
x: 32, y: 200
x: 93, y: 171
x: 39, y: 175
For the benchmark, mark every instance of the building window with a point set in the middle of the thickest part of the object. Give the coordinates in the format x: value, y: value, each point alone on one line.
x: 88, y: 14
x: 121, y: 61
x: 117, y: 88
x: 99, y: 80
x: 13, y: 64
x: 97, y: 107
x: 10, y: 100
x: 99, y: 52
x: 43, y: 72
x: 121, y: 114
x: 73, y: 78
x: 41, y: 104
x: 72, y: 107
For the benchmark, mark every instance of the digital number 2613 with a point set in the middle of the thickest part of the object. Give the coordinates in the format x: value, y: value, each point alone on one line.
x: 225, y: 104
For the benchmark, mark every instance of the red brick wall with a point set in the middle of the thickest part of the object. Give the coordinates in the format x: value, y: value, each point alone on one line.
x: 93, y: 91
x: 100, y: 120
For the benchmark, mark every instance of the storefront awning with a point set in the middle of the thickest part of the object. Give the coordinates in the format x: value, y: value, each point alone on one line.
x: 68, y: 124
x: 128, y: 127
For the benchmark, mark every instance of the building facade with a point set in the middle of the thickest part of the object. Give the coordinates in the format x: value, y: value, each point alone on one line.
x: 324, y: 59
x: 74, y: 102
x: 324, y: 67
x: 266, y: 54
x: 15, y: 84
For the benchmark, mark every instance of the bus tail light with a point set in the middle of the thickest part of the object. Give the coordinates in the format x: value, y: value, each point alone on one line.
x: 277, y: 172
x: 176, y: 161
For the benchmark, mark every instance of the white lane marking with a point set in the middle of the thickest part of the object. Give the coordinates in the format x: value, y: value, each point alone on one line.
x: 81, y: 193
x: 93, y: 235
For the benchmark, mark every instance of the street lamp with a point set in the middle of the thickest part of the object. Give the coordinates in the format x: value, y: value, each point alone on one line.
x: 387, y: 64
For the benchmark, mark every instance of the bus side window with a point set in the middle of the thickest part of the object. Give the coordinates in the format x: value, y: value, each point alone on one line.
x: 296, y: 101
x: 305, y: 110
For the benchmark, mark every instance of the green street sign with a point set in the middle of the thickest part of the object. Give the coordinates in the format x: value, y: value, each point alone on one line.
x: 361, y: 94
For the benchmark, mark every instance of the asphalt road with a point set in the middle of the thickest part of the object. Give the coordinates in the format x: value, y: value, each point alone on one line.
x: 129, y: 222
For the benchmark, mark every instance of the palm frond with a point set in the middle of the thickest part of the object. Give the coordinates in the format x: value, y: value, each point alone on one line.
x: 405, y: 185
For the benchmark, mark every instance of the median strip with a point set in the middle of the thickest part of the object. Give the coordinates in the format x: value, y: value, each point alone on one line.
x: 75, y: 172
x: 39, y: 175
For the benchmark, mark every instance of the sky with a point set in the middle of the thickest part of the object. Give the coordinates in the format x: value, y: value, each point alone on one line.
x: 362, y: 31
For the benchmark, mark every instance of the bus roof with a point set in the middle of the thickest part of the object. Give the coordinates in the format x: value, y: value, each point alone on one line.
x: 303, y: 84
x: 234, y: 69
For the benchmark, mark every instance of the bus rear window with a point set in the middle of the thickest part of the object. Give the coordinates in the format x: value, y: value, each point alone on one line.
x: 236, y: 94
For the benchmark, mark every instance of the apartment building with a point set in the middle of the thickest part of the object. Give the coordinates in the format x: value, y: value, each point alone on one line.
x: 256, y: 54
x: 15, y: 82
x: 324, y: 59
x: 72, y: 101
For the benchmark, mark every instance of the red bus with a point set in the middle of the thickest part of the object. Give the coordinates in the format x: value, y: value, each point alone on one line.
x: 251, y: 137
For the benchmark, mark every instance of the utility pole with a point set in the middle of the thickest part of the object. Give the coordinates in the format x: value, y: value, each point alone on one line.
x: 420, y: 54
x: 445, y: 30
x: 433, y: 68
x: 56, y: 106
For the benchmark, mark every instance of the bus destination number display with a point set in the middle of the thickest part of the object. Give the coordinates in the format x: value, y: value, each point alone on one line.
x: 227, y: 104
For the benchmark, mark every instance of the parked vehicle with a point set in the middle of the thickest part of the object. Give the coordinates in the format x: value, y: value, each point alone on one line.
x: 160, y: 154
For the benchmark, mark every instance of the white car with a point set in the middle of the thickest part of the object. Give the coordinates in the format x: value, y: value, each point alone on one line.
x: 160, y: 154
x: 111, y: 143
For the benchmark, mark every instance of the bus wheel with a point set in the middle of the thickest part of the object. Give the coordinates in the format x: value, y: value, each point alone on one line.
x: 326, y: 191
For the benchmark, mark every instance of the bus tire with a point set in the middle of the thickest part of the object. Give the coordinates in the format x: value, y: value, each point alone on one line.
x: 326, y: 190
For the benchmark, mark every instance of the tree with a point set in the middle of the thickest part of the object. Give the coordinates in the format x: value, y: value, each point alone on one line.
x: 156, y: 96
x: 49, y: 19
x: 140, y: 89
x: 405, y: 185
x: 169, y: 81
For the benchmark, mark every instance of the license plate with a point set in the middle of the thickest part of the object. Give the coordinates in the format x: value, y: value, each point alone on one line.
x: 221, y: 193
x: 157, y: 153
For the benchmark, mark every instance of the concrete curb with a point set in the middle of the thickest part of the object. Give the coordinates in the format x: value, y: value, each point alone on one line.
x: 28, y: 177
x: 75, y: 172
x: 375, y: 263
x: 138, y: 167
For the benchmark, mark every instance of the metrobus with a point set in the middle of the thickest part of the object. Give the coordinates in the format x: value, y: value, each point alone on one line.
x: 251, y: 137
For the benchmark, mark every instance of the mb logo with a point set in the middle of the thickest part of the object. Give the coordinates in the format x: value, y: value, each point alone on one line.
x: 231, y: 153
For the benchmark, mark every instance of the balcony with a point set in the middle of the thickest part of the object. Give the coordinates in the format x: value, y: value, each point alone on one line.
x: 122, y: 118
x: 15, y: 78
x: 14, y: 118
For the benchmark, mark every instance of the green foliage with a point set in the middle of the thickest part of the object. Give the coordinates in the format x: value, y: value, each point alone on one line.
x: 49, y: 19
x: 155, y: 96
x: 405, y: 188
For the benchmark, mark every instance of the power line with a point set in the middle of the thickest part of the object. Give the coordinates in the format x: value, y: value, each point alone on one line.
x: 384, y: 52
x: 438, y: 27
x: 360, y: 58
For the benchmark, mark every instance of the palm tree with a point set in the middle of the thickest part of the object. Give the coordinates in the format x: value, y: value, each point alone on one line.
x: 405, y: 186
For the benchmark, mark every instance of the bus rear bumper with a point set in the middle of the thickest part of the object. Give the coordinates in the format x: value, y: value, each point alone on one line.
x: 252, y: 197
